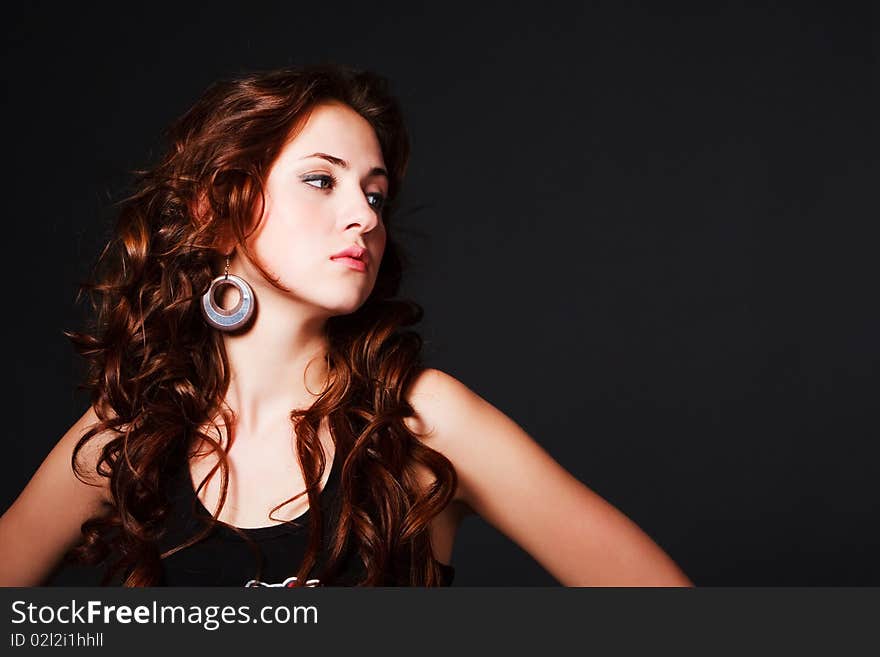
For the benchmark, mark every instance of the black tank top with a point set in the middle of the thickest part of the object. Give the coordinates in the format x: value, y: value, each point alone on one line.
x: 223, y: 558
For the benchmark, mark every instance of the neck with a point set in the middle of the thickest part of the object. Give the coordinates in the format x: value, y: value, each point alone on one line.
x: 277, y: 364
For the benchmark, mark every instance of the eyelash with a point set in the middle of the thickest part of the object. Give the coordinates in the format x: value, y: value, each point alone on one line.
x: 333, y: 181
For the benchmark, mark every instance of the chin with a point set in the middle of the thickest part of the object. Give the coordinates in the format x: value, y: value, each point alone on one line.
x: 347, y: 306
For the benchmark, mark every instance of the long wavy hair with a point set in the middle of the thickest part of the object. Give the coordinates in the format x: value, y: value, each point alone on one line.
x: 157, y: 373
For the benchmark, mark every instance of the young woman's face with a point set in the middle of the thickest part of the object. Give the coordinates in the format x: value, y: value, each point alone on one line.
x: 316, y: 208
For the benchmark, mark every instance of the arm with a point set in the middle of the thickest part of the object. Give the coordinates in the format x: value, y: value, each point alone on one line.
x: 517, y: 487
x: 45, y: 520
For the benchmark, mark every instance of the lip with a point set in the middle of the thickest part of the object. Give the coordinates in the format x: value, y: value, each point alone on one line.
x: 354, y: 251
x: 351, y: 263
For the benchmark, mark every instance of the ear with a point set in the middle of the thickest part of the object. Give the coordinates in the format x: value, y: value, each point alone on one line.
x: 202, y: 215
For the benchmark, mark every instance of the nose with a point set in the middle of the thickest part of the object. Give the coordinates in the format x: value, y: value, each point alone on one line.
x: 359, y: 212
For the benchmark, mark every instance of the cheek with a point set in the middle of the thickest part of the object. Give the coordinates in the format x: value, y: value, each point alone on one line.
x: 383, y: 240
x: 289, y: 243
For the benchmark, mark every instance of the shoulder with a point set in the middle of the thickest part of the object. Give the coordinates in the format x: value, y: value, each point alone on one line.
x: 437, y: 399
x: 483, y: 444
x: 494, y: 457
x: 434, y: 390
x: 89, y: 454
x: 433, y: 396
x: 507, y: 478
x: 46, y: 519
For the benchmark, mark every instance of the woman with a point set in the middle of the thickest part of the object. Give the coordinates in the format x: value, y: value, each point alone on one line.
x: 260, y: 415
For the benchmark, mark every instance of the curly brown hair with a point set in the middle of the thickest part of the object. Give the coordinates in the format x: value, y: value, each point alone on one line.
x: 157, y: 374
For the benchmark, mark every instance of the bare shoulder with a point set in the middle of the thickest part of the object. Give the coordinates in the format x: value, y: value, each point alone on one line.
x: 482, y: 442
x: 432, y: 395
x: 431, y: 392
x: 89, y: 455
x: 46, y: 518
x: 60, y: 459
x: 515, y: 485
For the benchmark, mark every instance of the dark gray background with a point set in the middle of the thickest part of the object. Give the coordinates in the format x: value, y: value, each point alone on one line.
x: 644, y: 232
x: 520, y: 620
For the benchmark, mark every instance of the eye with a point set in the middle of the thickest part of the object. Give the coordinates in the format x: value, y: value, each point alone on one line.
x: 377, y: 199
x: 380, y: 200
x: 330, y: 180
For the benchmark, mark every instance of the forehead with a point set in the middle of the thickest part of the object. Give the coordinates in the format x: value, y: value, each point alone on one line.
x: 337, y: 129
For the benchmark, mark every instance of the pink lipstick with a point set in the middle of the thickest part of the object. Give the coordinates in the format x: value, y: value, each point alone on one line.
x: 352, y: 263
x: 355, y: 257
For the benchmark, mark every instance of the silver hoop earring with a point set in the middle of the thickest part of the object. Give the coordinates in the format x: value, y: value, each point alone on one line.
x: 235, y: 318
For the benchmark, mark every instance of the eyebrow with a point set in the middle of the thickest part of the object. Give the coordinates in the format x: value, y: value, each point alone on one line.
x: 338, y: 161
